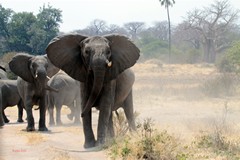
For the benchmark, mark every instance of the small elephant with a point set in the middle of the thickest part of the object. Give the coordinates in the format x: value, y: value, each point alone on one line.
x: 68, y: 94
x: 33, y: 72
x: 101, y: 65
x: 10, y: 97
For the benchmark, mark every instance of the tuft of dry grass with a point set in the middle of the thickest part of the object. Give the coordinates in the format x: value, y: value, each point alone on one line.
x: 147, y: 143
x: 35, y: 138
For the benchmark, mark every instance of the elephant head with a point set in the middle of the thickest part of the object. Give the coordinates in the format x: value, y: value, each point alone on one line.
x: 96, y: 60
x: 33, y: 69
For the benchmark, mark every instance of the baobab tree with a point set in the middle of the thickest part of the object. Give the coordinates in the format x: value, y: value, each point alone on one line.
x: 166, y: 4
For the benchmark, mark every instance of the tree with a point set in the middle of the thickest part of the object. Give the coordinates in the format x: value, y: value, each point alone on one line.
x: 133, y: 28
x: 97, y: 27
x: 5, y: 16
x: 18, y: 28
x: 166, y: 4
x: 214, y: 24
x: 46, y: 28
x: 25, y: 32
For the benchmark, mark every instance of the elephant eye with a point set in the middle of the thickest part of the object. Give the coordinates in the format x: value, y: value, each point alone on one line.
x: 108, y: 53
x: 87, y: 51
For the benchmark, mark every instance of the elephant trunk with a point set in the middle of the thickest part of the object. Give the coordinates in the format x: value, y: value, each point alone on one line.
x: 99, y: 75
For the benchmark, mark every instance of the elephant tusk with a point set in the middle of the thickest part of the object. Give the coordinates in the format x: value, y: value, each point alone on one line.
x: 48, y: 77
x: 36, y: 75
x: 109, y: 64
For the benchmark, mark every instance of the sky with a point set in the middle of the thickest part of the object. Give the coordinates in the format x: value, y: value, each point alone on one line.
x: 78, y: 14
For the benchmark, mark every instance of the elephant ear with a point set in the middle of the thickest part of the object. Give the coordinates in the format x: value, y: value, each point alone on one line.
x: 51, y: 70
x: 124, y: 55
x: 65, y: 53
x: 20, y: 66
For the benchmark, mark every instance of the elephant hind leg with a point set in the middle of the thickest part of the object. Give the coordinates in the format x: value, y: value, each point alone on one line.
x: 128, y: 110
x: 6, y: 120
x: 58, y: 114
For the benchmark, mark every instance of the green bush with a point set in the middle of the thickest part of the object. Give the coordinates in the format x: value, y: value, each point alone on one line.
x: 230, y: 62
x: 6, y: 58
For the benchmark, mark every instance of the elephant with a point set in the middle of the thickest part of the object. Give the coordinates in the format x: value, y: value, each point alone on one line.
x: 3, y: 74
x: 68, y: 94
x: 10, y: 97
x: 33, y: 72
x: 101, y: 64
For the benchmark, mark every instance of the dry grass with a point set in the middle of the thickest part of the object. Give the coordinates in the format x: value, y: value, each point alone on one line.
x: 33, y: 138
x: 171, y: 93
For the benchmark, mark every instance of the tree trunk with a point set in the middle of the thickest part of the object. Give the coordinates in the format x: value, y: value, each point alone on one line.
x: 169, y: 36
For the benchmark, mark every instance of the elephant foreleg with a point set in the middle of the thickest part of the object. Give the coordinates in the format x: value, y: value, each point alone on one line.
x: 1, y: 117
x: 77, y: 112
x: 87, y: 120
x: 88, y: 132
x: 51, y: 116
x: 51, y: 109
x: 105, y: 114
x: 30, y: 119
x: 42, y: 111
x: 110, y: 127
x: 58, y: 114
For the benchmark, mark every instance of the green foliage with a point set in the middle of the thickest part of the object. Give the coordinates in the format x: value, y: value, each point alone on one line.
x: 25, y: 32
x: 152, y: 47
x: 6, y: 58
x: 230, y: 62
x: 18, y: 28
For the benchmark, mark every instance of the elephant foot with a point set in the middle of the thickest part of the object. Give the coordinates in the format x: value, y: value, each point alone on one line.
x: 59, y: 123
x: 70, y: 116
x: 90, y: 144
x: 51, y: 123
x: 6, y: 121
x: 77, y: 122
x: 30, y: 129
x: 43, y: 129
x: 20, y: 121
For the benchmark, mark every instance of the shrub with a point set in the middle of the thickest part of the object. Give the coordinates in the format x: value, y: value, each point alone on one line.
x: 147, y: 143
x: 221, y: 85
x: 230, y: 62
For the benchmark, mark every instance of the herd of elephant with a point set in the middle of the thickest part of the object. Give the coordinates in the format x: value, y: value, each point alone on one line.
x: 77, y: 71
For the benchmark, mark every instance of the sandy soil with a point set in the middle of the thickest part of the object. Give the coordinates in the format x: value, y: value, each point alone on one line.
x: 169, y: 94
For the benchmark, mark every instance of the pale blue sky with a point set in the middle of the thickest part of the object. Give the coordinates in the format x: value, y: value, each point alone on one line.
x: 77, y: 14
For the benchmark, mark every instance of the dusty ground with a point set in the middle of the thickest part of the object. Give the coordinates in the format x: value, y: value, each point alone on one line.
x: 169, y: 94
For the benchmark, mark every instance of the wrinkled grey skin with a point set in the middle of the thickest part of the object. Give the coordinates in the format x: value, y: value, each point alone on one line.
x: 10, y: 97
x: 3, y: 74
x: 68, y: 94
x: 32, y: 84
x: 101, y: 64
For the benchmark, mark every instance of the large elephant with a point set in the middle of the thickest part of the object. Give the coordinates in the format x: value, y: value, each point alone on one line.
x: 33, y: 72
x: 10, y: 97
x: 3, y: 74
x: 101, y: 65
x: 68, y: 94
